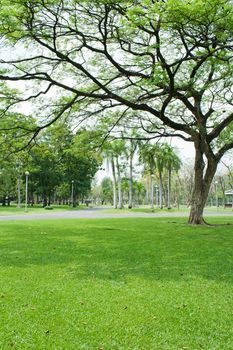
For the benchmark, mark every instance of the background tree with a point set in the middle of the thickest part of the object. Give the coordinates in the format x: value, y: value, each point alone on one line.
x: 172, y: 162
x: 130, y: 149
x: 108, y: 154
x: 7, y: 185
x: 81, y: 162
x: 148, y: 158
x: 186, y: 180
x: 160, y: 157
x: 107, y: 193
x: 139, y: 190
x: 118, y: 148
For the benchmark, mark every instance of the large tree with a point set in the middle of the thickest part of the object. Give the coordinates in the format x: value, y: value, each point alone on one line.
x: 169, y: 60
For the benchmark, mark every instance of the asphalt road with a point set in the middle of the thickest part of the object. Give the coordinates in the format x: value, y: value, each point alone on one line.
x: 97, y: 213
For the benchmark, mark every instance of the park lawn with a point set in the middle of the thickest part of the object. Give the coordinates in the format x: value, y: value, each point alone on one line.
x: 147, y: 209
x: 129, y: 284
x: 142, y: 209
x: 36, y: 209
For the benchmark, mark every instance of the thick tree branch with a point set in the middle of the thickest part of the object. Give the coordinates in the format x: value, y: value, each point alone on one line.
x: 220, y: 127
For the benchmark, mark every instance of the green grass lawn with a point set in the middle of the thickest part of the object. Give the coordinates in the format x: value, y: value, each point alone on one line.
x: 36, y: 209
x: 147, y: 209
x: 142, y: 209
x: 116, y: 284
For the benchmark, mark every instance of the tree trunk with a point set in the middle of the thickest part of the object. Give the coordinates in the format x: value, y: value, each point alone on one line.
x: 19, y: 192
x: 152, y: 191
x: 197, y: 207
x: 130, y: 181
x: 114, y: 183
x: 160, y: 191
x: 147, y: 190
x: 202, y: 183
x: 169, y: 189
x: 120, y: 204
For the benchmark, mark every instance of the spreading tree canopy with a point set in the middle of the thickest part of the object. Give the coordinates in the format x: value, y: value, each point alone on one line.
x: 168, y: 61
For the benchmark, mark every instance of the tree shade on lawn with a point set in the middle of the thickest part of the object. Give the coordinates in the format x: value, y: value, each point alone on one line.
x: 115, y: 284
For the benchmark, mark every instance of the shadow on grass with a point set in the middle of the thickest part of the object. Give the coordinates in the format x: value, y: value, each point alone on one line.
x: 117, y: 249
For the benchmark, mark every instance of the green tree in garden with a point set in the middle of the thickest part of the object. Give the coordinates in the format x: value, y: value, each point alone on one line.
x: 80, y: 162
x: 186, y: 183
x: 7, y: 185
x: 54, y: 165
x: 46, y: 163
x: 172, y: 162
x: 125, y: 189
x: 147, y: 155
x: 114, y: 150
x: 118, y: 149
x: 107, y: 192
x: 160, y: 159
x: 45, y: 172
x: 130, y: 151
x: 173, y: 68
x: 229, y: 174
x: 14, y: 156
x: 108, y: 154
x: 139, y: 190
x: 15, y: 134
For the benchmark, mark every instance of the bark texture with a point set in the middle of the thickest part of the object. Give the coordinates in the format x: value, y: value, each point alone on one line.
x: 203, y: 176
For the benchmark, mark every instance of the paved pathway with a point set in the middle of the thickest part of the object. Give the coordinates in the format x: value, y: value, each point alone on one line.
x: 97, y: 213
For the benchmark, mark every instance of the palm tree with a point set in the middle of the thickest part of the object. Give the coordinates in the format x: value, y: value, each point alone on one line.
x: 160, y: 156
x: 147, y: 156
x: 109, y: 155
x: 160, y: 163
x: 118, y: 149
x: 132, y: 150
x: 171, y: 162
x: 140, y: 189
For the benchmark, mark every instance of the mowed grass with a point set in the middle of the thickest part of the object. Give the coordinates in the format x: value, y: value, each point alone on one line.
x: 36, y: 209
x: 129, y: 284
x: 156, y: 210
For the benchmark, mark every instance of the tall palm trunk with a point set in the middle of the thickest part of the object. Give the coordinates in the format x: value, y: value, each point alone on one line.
x: 152, y: 191
x: 160, y: 190
x: 19, y: 191
x: 114, y: 183
x: 120, y: 204
x: 169, y: 189
x: 147, y: 190
x: 131, y: 178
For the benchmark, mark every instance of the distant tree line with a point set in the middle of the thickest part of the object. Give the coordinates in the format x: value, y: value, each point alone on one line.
x: 59, y: 162
x: 153, y: 175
